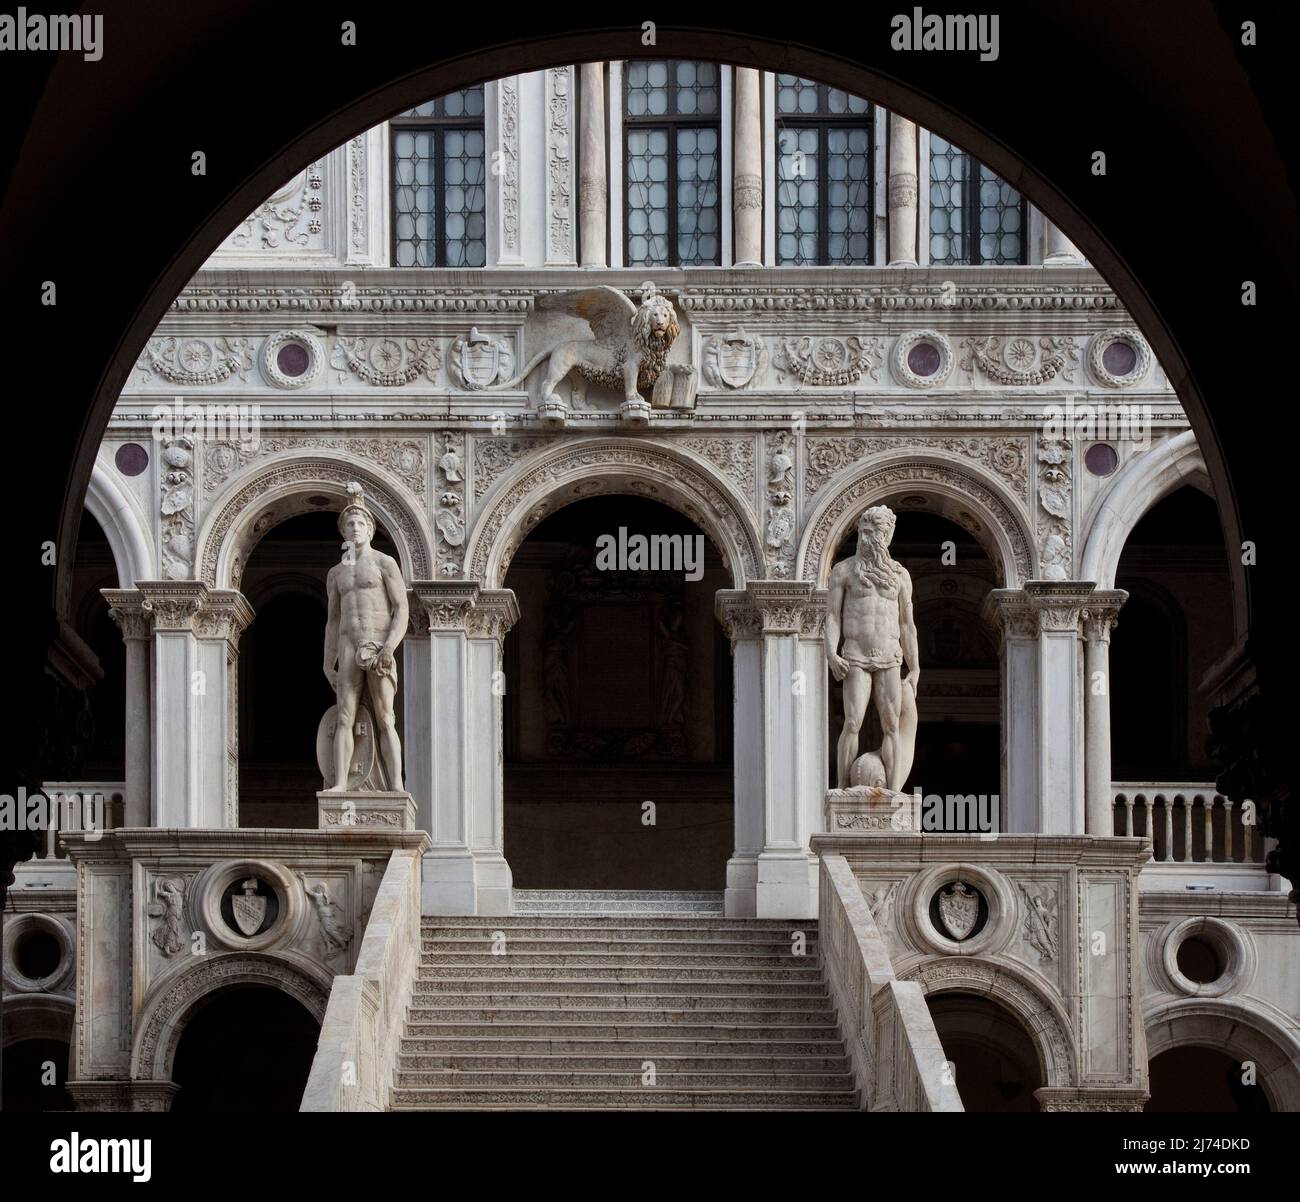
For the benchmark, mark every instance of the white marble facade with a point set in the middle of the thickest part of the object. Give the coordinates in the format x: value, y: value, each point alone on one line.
x: 801, y: 396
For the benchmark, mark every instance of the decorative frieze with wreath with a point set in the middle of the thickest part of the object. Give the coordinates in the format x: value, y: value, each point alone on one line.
x: 404, y: 457
x: 193, y: 362
x: 386, y: 362
x: 1020, y: 361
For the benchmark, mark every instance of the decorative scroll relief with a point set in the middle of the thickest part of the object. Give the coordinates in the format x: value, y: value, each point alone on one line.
x: 828, y: 361
x: 733, y: 457
x: 508, y: 180
x: 492, y: 456
x: 1008, y: 457
x: 358, y: 217
x: 386, y: 362
x: 404, y: 457
x: 1055, y: 486
x: 196, y: 361
x: 559, y: 167
x: 176, y: 508
x: 854, y: 497
x: 450, y: 520
x: 736, y: 360
x: 1018, y: 361
x: 289, y: 219
x: 779, y: 520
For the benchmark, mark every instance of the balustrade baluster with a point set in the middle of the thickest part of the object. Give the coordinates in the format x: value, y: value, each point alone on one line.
x: 1227, y: 830
x: 1165, y: 803
x: 1207, y: 804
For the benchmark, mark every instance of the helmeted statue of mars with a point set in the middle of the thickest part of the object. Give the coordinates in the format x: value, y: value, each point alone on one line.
x: 870, y: 607
x: 367, y: 619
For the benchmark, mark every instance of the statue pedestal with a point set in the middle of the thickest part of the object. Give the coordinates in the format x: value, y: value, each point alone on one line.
x: 871, y: 808
x: 365, y: 809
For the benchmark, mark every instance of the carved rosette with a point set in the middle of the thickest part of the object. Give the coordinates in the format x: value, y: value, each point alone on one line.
x: 829, y: 361
x: 386, y: 362
x: 1018, y: 361
x: 193, y: 362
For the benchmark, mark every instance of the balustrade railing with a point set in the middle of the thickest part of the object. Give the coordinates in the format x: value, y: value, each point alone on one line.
x: 1188, y: 823
x: 73, y: 806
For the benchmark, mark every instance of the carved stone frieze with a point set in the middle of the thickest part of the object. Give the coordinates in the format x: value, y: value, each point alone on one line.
x: 508, y: 180
x: 1055, y: 509
x: 1019, y: 361
x: 291, y: 218
x: 828, y: 360
x: 1007, y: 456
x: 733, y: 456
x: 196, y: 361
x: 779, y: 519
x: 176, y: 508
x: 404, y: 457
x: 386, y: 362
x: 450, y: 520
x: 358, y: 199
x: 974, y: 296
x: 559, y: 166
x: 494, y: 456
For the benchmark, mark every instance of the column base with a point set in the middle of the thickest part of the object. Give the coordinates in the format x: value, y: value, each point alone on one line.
x: 493, y: 883
x: 787, y: 885
x: 120, y: 1096
x: 448, y: 884
x: 1101, y: 1098
x: 740, y: 899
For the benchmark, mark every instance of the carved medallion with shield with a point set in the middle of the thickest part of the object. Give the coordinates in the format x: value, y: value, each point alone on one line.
x: 959, y: 910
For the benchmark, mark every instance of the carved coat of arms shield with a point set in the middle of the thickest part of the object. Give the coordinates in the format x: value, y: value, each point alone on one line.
x: 959, y: 907
x: 250, y: 910
x: 738, y: 359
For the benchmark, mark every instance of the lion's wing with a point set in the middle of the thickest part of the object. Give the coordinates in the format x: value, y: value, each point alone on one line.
x: 605, y: 309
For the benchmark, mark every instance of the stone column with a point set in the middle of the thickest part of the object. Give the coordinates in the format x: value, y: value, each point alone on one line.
x: 128, y: 611
x: 1011, y: 612
x: 593, y: 191
x: 1099, y: 618
x: 1058, y: 605
x: 747, y: 174
x: 1058, y: 250
x: 195, y: 752
x: 781, y: 756
x: 902, y: 192
x: 492, y: 617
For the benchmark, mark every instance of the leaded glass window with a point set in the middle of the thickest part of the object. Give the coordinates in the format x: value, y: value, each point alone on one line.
x: 975, y: 216
x: 672, y: 140
x: 439, y: 200
x: 823, y: 192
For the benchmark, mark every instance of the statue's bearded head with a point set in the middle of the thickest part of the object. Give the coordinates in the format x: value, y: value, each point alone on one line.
x: 875, y: 530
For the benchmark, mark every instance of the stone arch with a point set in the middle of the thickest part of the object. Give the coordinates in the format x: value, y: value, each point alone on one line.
x: 282, y: 487
x: 1039, y: 1013
x: 963, y: 492
x: 38, y: 1016
x: 1140, y: 484
x: 176, y: 999
x: 108, y: 503
x: 1251, y: 1030
x: 593, y: 466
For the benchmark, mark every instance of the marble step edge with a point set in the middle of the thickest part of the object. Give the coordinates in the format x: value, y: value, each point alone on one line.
x: 632, y: 1099
x: 594, y: 1078
x: 572, y: 987
x: 623, y: 1061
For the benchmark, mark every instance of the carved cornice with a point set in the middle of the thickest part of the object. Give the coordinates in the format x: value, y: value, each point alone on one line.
x: 1059, y: 603
x: 788, y: 607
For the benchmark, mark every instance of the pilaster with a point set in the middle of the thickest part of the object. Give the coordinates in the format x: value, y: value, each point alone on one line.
x: 593, y: 191
x: 128, y: 611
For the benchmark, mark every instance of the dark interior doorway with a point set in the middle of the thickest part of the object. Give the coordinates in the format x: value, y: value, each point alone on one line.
x: 618, y: 695
x: 35, y: 1071
x: 1197, y: 1080
x: 995, y: 1065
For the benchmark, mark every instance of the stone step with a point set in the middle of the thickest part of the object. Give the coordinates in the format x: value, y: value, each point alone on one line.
x: 689, y: 977
x: 625, y: 1062
x: 628, y: 1025
x: 567, y: 1078
x: 631, y: 1098
x: 602, y: 932
x: 780, y: 1013
x: 582, y: 1044
x: 523, y: 958
x: 616, y: 901
x: 456, y: 1004
x: 604, y: 922
x: 455, y: 989
x: 613, y: 942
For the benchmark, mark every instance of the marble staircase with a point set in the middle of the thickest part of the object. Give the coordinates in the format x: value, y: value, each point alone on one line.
x: 649, y: 1001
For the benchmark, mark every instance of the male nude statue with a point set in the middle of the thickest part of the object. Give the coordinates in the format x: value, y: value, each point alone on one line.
x: 870, y: 601
x: 367, y: 619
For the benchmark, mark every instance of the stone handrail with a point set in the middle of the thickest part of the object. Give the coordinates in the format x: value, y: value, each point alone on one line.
x: 1179, y: 819
x: 898, y: 1061
x: 357, y: 1054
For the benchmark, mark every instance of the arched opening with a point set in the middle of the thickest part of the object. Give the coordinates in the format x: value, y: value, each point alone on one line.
x: 1192, y: 1079
x: 619, y: 696
x: 35, y: 1074
x: 994, y: 1063
x: 283, y: 693
x: 94, y: 569
x: 957, y: 749
x: 1175, y: 626
x: 248, y: 1049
